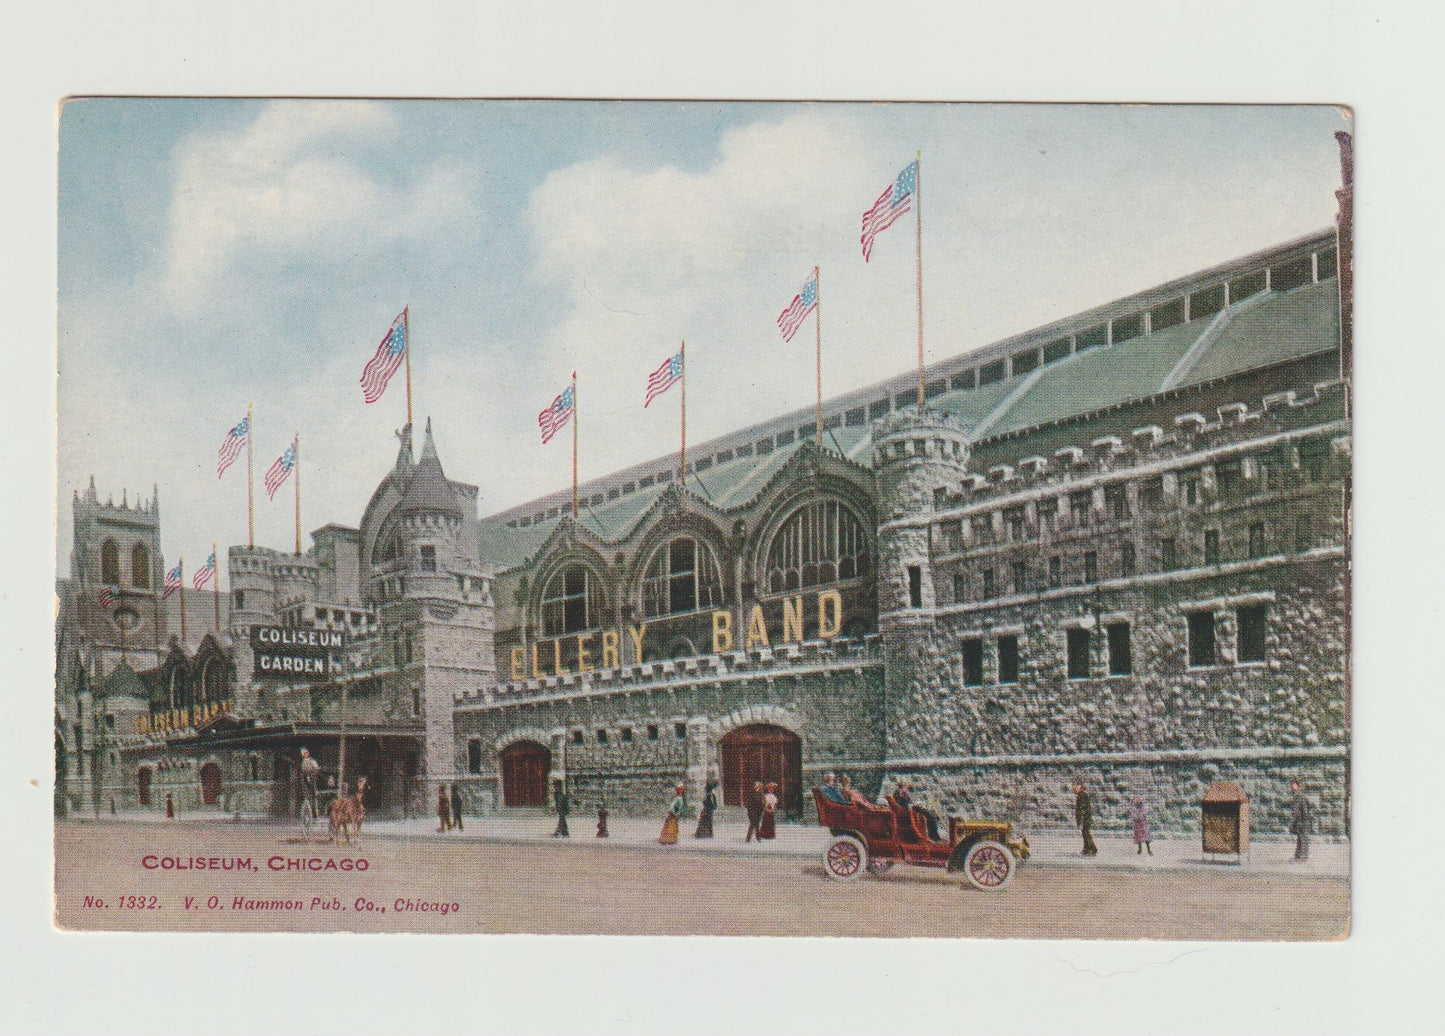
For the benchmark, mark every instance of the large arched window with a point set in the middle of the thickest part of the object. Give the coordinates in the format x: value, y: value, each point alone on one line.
x: 572, y: 602
x: 110, y: 563
x: 682, y: 577
x: 140, y: 567
x: 820, y: 543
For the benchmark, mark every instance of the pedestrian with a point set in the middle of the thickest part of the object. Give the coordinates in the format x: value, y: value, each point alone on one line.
x: 1140, y: 812
x: 674, y: 811
x: 709, y: 806
x: 602, y: 815
x: 1299, y: 823
x: 767, y: 830
x: 456, y: 808
x: 1084, y: 818
x: 753, y: 803
x: 444, y: 809
x: 564, y: 806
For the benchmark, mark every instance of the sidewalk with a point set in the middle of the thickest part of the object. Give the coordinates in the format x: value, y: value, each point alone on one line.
x: 1049, y: 847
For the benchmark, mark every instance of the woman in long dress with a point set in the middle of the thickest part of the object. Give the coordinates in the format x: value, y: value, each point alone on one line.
x: 709, y: 806
x: 1141, y: 826
x: 669, y: 823
x: 768, y: 828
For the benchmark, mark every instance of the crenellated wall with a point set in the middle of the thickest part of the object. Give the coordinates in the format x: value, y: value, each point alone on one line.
x: 1104, y: 570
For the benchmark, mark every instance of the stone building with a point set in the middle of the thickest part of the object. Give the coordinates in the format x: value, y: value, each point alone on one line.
x: 1114, y: 548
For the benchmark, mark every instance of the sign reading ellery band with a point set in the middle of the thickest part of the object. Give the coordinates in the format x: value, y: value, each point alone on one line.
x: 285, y: 654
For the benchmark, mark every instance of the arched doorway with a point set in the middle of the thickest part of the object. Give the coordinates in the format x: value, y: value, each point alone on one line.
x: 210, y: 783
x: 143, y: 785
x: 762, y: 752
x: 525, y: 765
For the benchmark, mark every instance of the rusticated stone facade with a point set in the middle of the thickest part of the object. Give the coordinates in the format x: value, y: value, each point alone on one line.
x: 662, y: 724
x: 1146, y: 616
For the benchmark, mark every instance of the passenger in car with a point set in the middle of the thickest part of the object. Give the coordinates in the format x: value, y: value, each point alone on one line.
x: 852, y: 794
x: 831, y: 791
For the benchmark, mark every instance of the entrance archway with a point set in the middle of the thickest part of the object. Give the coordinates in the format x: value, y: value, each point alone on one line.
x: 762, y: 752
x: 525, y: 765
x: 143, y: 785
x: 210, y: 783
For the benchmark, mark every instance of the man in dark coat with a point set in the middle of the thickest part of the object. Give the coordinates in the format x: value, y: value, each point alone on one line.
x: 1084, y: 817
x: 456, y: 808
x: 1299, y: 823
x: 564, y: 806
x: 753, y: 803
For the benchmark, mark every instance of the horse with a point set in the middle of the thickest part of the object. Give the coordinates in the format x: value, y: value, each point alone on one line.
x: 347, y: 813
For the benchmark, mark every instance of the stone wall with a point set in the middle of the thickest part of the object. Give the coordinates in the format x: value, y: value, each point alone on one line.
x: 1068, y: 547
x: 831, y: 696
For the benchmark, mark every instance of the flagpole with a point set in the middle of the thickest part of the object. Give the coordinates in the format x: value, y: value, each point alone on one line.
x: 406, y: 330
x: 683, y: 353
x: 818, y: 344
x: 216, y: 574
x: 250, y: 480
x: 182, y: 562
x: 576, y: 420
x: 918, y: 242
x: 296, y: 445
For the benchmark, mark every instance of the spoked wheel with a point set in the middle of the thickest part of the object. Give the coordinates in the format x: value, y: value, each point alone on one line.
x: 845, y: 858
x: 988, y: 866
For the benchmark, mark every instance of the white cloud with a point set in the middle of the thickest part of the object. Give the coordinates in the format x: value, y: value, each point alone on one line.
x: 288, y: 188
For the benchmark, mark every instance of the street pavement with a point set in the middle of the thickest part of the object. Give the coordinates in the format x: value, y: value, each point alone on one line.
x: 1051, y: 847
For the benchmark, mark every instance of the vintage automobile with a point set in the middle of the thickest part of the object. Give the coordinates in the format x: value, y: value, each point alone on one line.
x: 874, y: 838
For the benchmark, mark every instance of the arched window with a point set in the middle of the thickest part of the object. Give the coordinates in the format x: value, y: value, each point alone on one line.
x: 683, y: 577
x: 572, y: 602
x: 820, y: 543
x: 110, y: 563
x: 140, y: 567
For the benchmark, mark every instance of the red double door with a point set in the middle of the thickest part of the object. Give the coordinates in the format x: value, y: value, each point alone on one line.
x: 762, y: 752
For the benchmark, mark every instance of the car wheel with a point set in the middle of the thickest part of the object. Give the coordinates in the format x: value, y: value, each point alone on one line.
x: 845, y: 858
x: 988, y: 866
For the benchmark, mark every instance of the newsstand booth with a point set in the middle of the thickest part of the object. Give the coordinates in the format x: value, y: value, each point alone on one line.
x: 1226, y: 820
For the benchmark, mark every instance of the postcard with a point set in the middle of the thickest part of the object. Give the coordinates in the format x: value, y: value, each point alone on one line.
x: 571, y: 517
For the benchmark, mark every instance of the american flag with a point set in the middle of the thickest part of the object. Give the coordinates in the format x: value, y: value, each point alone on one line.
x: 280, y: 471
x: 205, y: 572
x: 106, y: 597
x: 389, y: 355
x: 891, y: 204
x: 173, y: 580
x: 556, y: 415
x: 662, y: 379
x: 231, y: 448
x: 790, y: 319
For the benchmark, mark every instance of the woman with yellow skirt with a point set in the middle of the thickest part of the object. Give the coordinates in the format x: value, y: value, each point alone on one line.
x: 669, y: 824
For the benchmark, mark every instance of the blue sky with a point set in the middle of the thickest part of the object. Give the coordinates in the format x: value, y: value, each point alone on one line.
x: 215, y: 253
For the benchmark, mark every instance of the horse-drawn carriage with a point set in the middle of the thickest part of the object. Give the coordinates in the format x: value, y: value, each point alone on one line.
x: 874, y: 838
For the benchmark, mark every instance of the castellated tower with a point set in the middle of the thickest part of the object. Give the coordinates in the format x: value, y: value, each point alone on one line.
x: 264, y: 583
x: 118, y: 547
x: 446, y: 607
x: 919, y: 457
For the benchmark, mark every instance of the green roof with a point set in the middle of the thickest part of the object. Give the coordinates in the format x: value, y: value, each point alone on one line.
x: 1259, y: 331
x: 1293, y: 323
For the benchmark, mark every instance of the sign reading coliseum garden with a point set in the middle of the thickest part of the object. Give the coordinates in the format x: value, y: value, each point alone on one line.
x: 288, y: 654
